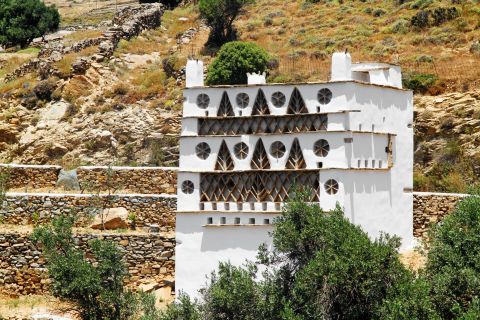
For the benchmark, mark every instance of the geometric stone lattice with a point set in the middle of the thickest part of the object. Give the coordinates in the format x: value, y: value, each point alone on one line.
x: 225, y: 109
x: 260, y: 107
x: 266, y: 124
x: 224, y: 159
x: 324, y: 96
x: 296, y: 104
x: 295, y: 159
x: 321, y: 148
x: 260, y: 159
x: 257, y: 186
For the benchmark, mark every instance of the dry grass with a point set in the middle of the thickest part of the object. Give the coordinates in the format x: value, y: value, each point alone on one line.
x: 65, y: 65
x: 81, y: 35
x: 26, y: 306
x: 296, y: 28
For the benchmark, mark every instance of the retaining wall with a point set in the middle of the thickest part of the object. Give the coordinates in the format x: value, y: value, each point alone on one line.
x: 130, y: 179
x: 143, y: 180
x: 30, y: 176
x: 23, y: 270
x: 430, y: 208
x: 28, y: 208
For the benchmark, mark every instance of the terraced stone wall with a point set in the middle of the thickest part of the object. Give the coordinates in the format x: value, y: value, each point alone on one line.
x: 23, y: 269
x: 29, y: 208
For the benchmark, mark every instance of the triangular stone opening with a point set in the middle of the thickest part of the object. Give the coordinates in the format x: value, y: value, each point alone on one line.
x: 225, y: 109
x: 260, y: 158
x: 295, y: 158
x: 260, y: 107
x: 224, y: 159
x: 296, y: 105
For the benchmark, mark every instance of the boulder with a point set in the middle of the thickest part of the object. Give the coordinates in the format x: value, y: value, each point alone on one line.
x: 68, y: 180
x: 113, y: 218
x: 163, y: 297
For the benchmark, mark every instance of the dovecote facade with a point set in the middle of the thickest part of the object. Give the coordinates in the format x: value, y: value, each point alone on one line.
x: 244, y: 148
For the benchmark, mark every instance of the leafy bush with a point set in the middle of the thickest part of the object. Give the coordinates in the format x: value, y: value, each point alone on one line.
x: 22, y: 21
x: 452, y: 266
x: 220, y: 15
x: 419, y: 82
x: 96, y: 286
x: 322, y: 267
x: 420, y: 20
x: 234, y: 61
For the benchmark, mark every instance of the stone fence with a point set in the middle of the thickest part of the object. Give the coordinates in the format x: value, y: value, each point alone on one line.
x: 23, y: 270
x: 147, y: 180
x: 30, y: 208
x: 430, y: 208
x: 158, y: 180
x: 30, y: 176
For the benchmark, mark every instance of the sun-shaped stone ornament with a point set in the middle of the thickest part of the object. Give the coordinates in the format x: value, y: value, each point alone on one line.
x: 277, y: 149
x: 321, y: 148
x: 203, y: 100
x: 324, y: 96
x: 203, y: 150
x: 278, y: 99
x: 241, y: 150
x: 188, y: 187
x: 331, y: 186
x: 242, y: 100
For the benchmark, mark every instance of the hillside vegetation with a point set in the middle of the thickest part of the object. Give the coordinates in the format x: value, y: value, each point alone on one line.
x: 126, y: 109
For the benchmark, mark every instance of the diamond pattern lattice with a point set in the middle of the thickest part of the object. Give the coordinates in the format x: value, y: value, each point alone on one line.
x: 267, y: 124
x: 255, y: 186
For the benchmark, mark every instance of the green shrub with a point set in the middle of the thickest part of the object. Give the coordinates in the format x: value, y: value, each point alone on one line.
x: 419, y: 82
x: 22, y: 21
x: 322, y: 267
x: 452, y: 266
x: 219, y: 16
x: 234, y: 61
x: 95, y: 285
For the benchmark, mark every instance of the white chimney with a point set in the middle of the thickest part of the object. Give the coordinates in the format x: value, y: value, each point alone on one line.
x: 255, y: 78
x: 341, y: 66
x: 194, y: 73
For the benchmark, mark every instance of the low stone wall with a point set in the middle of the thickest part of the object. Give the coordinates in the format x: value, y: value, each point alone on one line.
x: 430, y: 208
x: 23, y: 270
x: 28, y: 208
x: 158, y: 180
x: 30, y: 176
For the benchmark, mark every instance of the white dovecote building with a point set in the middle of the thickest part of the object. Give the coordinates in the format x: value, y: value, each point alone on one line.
x: 243, y: 147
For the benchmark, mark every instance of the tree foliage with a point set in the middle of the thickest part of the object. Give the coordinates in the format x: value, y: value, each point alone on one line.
x: 220, y: 15
x: 452, y: 268
x: 321, y: 267
x: 23, y: 20
x: 96, y: 285
x: 234, y: 61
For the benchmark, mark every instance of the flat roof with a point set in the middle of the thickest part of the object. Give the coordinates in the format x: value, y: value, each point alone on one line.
x: 297, y: 84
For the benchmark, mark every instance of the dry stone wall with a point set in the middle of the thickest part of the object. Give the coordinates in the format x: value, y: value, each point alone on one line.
x: 158, y: 180
x: 23, y: 269
x: 431, y: 208
x: 30, y: 176
x: 28, y: 208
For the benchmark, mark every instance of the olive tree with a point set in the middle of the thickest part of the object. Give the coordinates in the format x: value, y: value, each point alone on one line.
x: 21, y: 21
x: 220, y: 15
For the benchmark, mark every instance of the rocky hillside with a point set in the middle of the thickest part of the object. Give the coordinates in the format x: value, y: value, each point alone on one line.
x: 108, y: 89
x: 447, y: 140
